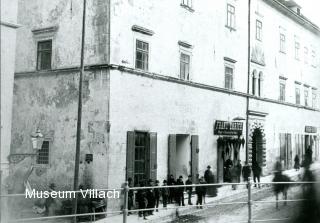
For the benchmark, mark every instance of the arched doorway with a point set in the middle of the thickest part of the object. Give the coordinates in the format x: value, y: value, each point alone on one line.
x: 257, y: 147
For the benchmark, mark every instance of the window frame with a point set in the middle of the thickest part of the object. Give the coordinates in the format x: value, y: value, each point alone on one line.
x: 38, y: 62
x: 306, y: 55
x: 49, y: 140
x: 187, y: 4
x: 282, y: 43
x: 232, y: 67
x: 188, y: 77
x: 314, y: 98
x: 297, y: 50
x: 136, y: 51
x: 258, y: 28
x: 231, y: 17
x: 282, y: 90
x: 306, y: 96
x: 298, y: 94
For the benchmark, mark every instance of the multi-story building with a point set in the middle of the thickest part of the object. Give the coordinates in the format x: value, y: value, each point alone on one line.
x: 165, y: 90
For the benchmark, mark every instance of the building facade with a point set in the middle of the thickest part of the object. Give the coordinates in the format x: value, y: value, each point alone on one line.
x: 165, y: 90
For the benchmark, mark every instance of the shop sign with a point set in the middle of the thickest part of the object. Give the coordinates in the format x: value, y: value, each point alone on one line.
x: 310, y: 129
x: 228, y: 128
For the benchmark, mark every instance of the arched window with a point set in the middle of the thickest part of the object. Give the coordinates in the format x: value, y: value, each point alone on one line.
x: 260, y: 81
x: 254, y: 74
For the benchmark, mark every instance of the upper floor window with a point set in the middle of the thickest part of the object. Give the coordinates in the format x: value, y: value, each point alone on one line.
x: 142, y: 55
x: 313, y: 58
x: 228, y: 77
x: 231, y: 23
x: 44, y: 55
x: 306, y: 96
x: 187, y: 3
x: 306, y: 52
x: 282, y: 43
x: 282, y: 95
x: 43, y: 153
x: 298, y: 96
x: 296, y: 49
x: 184, y: 66
x: 258, y: 30
x: 314, y: 98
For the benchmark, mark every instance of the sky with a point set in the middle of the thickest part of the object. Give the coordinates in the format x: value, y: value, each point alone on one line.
x: 310, y: 9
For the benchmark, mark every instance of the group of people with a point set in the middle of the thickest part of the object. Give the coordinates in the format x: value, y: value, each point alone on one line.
x: 149, y: 198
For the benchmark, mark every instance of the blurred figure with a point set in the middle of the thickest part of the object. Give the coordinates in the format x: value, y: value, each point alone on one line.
x: 227, y: 173
x: 280, y: 188
x: 130, y: 196
x: 234, y: 177
x: 256, y: 169
x: 246, y: 172
x: 165, y: 194
x: 296, y: 162
x: 150, y: 197
x: 209, y: 178
x: 239, y: 170
x: 171, y: 182
x: 180, y: 191
x: 142, y: 201
x: 157, y: 195
x: 200, y: 191
x: 189, y: 189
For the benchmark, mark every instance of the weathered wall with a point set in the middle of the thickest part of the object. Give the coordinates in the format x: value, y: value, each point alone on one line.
x: 50, y: 103
x: 67, y: 16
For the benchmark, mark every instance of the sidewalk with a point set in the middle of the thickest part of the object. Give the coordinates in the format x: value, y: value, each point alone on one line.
x: 223, y: 193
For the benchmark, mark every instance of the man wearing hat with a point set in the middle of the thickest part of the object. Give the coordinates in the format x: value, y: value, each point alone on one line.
x: 209, y: 178
x: 180, y: 190
x: 189, y: 189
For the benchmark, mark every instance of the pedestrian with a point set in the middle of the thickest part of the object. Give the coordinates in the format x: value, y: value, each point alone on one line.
x: 171, y: 182
x: 151, y: 198
x: 296, y: 162
x: 234, y: 177
x: 200, y: 191
x: 246, y: 172
x: 165, y: 194
x: 189, y: 189
x: 209, y: 178
x: 180, y: 191
x: 239, y: 169
x: 256, y: 169
x: 227, y: 174
x: 157, y: 195
x: 142, y: 201
x: 130, y: 196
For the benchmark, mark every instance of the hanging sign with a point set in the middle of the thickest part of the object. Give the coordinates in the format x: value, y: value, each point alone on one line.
x: 310, y: 129
x: 228, y: 128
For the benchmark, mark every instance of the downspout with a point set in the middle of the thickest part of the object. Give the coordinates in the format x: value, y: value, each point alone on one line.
x: 248, y: 83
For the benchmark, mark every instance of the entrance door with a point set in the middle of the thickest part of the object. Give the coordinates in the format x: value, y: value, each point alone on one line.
x: 257, y: 147
x: 285, y: 150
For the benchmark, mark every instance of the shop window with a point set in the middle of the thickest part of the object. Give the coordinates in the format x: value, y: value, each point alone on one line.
x: 231, y: 23
x: 282, y: 43
x: 141, y: 156
x: 258, y: 30
x: 184, y: 66
x: 43, y: 153
x: 44, y: 54
x: 142, y: 55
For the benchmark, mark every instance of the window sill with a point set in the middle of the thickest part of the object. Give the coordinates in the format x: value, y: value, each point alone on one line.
x: 230, y: 28
x: 187, y: 7
x: 43, y: 166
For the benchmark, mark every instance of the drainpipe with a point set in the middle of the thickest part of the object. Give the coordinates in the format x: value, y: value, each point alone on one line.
x: 248, y: 82
x: 78, y: 139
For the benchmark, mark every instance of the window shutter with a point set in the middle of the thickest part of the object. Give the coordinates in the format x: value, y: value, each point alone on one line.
x: 194, y: 157
x: 153, y: 155
x: 282, y: 147
x: 172, y: 155
x: 130, y: 155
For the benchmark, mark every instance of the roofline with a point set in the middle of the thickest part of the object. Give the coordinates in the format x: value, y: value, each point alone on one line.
x: 306, y: 23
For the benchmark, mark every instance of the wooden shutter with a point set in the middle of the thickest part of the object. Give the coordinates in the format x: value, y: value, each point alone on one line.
x: 194, y: 156
x: 130, y: 155
x: 153, y: 155
x: 282, y: 147
x: 172, y: 153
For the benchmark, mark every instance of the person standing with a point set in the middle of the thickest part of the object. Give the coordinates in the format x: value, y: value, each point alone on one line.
x: 227, y: 173
x: 130, y: 196
x: 200, y: 191
x: 189, y: 189
x: 142, y: 201
x: 234, y: 177
x: 165, y: 194
x: 239, y: 169
x: 157, y: 195
x: 171, y: 182
x: 246, y: 172
x: 256, y: 169
x: 209, y: 178
x: 296, y: 162
x: 180, y: 190
x: 150, y: 198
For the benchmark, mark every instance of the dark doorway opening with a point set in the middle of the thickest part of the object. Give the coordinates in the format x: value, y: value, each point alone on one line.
x: 257, y: 147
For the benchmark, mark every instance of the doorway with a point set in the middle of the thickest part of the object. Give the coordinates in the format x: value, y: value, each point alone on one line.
x: 183, y: 156
x: 257, y: 147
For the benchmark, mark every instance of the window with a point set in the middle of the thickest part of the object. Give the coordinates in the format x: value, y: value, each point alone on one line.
x: 282, y: 90
x: 44, y: 54
x: 258, y: 30
x: 254, y: 83
x: 231, y: 16
x: 142, y: 55
x: 313, y: 58
x: 260, y: 83
x: 282, y: 43
x: 296, y: 50
x: 314, y: 98
x: 184, y: 66
x: 187, y: 3
x: 298, y: 95
x: 306, y: 51
x: 228, y: 77
x: 306, y: 96
x: 43, y: 153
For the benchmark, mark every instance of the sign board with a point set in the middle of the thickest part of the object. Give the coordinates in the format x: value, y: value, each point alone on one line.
x: 228, y: 128
x: 310, y: 129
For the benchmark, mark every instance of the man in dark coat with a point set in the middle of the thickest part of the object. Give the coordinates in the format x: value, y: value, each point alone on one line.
x: 171, y: 182
x: 157, y: 195
x: 200, y: 191
x: 142, y: 201
x: 239, y: 169
x: 297, y: 162
x: 246, y: 172
x: 189, y: 189
x: 130, y: 196
x: 165, y: 194
x: 256, y: 169
x: 151, y: 198
x: 180, y: 190
x: 209, y: 178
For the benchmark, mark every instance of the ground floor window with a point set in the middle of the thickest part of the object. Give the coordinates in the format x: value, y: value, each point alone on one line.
x: 286, y: 150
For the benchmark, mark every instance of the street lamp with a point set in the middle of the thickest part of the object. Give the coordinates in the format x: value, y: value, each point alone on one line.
x: 37, y: 140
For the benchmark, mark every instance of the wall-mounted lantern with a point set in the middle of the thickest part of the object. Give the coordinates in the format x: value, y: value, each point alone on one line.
x: 37, y: 139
